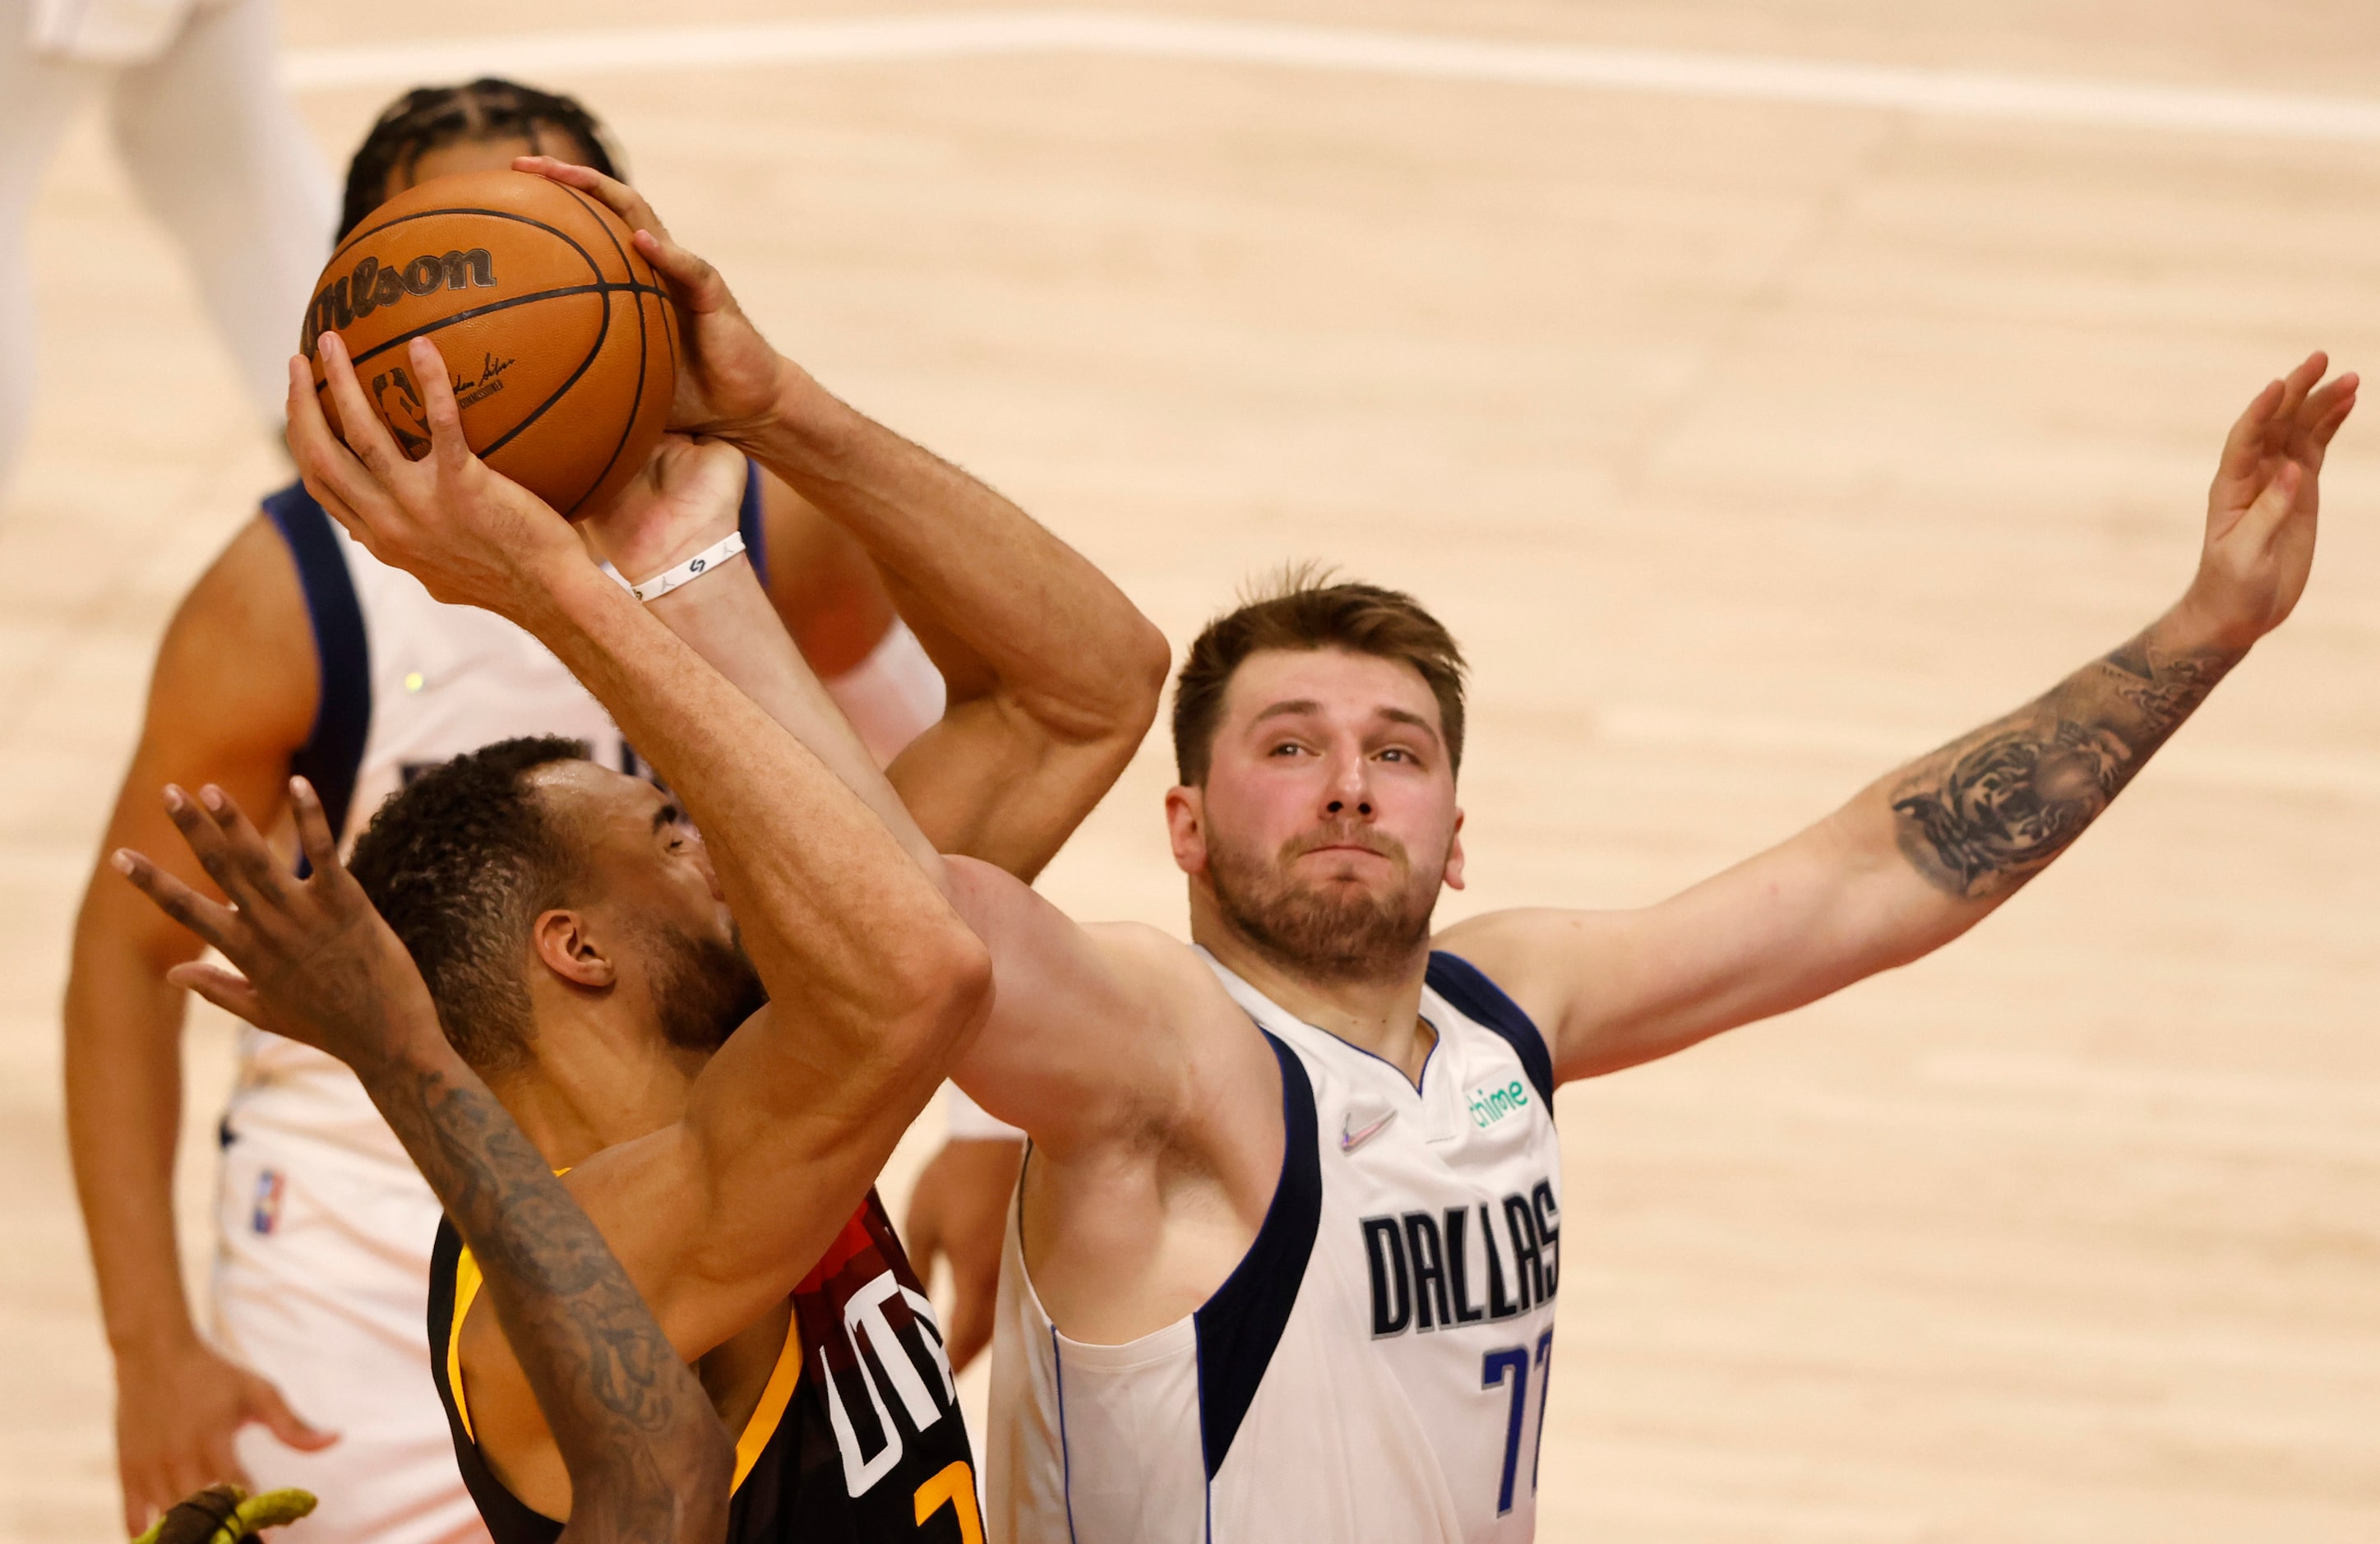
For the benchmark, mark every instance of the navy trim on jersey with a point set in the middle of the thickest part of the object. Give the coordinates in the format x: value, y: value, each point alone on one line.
x: 748, y: 523
x: 1241, y: 1325
x: 1065, y: 1453
x: 1464, y: 985
x: 333, y: 751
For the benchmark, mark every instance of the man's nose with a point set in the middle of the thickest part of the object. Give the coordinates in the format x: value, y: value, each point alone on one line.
x: 1351, y: 788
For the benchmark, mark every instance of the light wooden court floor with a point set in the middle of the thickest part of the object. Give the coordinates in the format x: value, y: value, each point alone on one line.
x: 1750, y: 446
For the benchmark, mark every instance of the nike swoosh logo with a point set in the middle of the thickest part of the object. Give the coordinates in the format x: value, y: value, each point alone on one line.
x: 1350, y: 1136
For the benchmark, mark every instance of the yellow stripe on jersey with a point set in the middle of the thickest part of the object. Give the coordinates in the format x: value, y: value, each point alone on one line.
x: 770, y: 1412
x: 466, y: 1287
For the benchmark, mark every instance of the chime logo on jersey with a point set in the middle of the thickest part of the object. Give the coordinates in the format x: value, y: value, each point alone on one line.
x: 1427, y: 1274
x: 1491, y: 1102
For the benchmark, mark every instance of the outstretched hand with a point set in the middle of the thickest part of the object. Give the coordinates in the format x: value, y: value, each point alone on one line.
x: 727, y: 379
x: 2261, y: 512
x: 472, y: 536
x: 311, y: 959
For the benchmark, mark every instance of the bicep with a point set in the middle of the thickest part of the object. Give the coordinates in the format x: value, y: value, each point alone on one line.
x: 1094, y: 1031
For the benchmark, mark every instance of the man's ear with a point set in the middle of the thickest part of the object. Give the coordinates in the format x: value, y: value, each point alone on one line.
x: 1454, y: 855
x: 1185, y: 825
x: 566, y: 945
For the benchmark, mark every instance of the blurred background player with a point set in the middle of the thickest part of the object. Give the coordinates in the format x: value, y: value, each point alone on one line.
x: 647, y: 1457
x: 213, y: 144
x: 295, y: 651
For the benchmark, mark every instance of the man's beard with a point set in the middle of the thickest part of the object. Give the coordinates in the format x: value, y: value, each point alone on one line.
x: 1335, y: 931
x: 703, y: 988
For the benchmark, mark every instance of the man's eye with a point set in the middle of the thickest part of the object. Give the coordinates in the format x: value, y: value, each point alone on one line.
x: 1396, y: 753
x: 1287, y: 747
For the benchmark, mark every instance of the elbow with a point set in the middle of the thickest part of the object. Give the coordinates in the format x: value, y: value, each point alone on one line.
x: 1115, y: 698
x: 948, y: 992
x: 1142, y: 668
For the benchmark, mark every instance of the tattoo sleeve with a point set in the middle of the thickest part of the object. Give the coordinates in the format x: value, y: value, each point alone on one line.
x: 1986, y: 813
x: 646, y: 1457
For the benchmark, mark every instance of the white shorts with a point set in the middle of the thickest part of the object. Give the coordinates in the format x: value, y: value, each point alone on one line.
x: 321, y: 1285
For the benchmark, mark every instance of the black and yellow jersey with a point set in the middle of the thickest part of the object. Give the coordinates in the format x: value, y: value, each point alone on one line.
x: 857, y: 1438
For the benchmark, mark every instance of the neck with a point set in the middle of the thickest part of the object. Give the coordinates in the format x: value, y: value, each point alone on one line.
x: 1381, y: 1013
x: 599, y: 1076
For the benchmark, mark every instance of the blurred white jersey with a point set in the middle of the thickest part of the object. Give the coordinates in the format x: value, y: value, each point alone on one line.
x: 406, y: 682
x: 1374, y: 1371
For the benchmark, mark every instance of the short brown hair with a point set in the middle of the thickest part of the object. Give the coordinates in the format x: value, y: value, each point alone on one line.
x: 1302, y: 609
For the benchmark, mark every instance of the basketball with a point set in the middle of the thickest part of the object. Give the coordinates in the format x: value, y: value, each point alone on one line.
x: 558, y: 338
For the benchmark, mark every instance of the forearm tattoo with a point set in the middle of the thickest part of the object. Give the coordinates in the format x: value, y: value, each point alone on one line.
x: 612, y: 1388
x: 1986, y: 813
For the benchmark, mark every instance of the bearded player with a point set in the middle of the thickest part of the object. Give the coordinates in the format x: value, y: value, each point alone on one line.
x: 1288, y: 1242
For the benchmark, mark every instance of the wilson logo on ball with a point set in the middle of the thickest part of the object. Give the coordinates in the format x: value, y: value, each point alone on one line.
x: 345, y: 300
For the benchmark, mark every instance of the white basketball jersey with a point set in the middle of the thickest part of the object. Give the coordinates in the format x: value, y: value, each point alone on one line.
x: 406, y: 682
x: 1374, y: 1371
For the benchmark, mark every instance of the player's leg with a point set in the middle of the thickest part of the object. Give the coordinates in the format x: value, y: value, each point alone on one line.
x: 321, y: 1284
x: 218, y: 152
x: 37, y: 97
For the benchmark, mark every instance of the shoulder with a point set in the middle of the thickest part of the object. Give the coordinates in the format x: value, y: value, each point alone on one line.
x: 239, y: 652
x: 1472, y: 993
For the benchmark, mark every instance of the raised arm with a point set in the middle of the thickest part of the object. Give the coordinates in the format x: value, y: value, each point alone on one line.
x: 1925, y: 853
x: 647, y: 1457
x: 1053, y: 674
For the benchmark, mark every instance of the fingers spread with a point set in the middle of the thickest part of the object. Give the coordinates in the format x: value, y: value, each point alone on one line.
x: 366, y: 434
x: 214, y: 924
x: 263, y: 878
x: 314, y: 838
x: 696, y: 284
x: 446, y: 442
x: 329, y: 468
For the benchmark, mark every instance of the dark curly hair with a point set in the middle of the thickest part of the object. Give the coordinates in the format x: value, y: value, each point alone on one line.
x: 461, y: 861
x: 427, y: 117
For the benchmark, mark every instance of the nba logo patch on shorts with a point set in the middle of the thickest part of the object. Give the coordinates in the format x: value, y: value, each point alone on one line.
x: 266, y: 1218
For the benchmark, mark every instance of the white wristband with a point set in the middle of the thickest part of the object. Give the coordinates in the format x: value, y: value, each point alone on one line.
x: 693, y: 568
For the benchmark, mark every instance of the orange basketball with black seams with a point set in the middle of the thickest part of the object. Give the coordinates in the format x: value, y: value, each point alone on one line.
x: 559, y: 340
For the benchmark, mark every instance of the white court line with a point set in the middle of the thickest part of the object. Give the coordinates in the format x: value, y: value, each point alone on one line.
x: 1742, y: 77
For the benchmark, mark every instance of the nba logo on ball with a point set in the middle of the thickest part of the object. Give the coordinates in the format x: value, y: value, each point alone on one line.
x: 266, y: 1218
